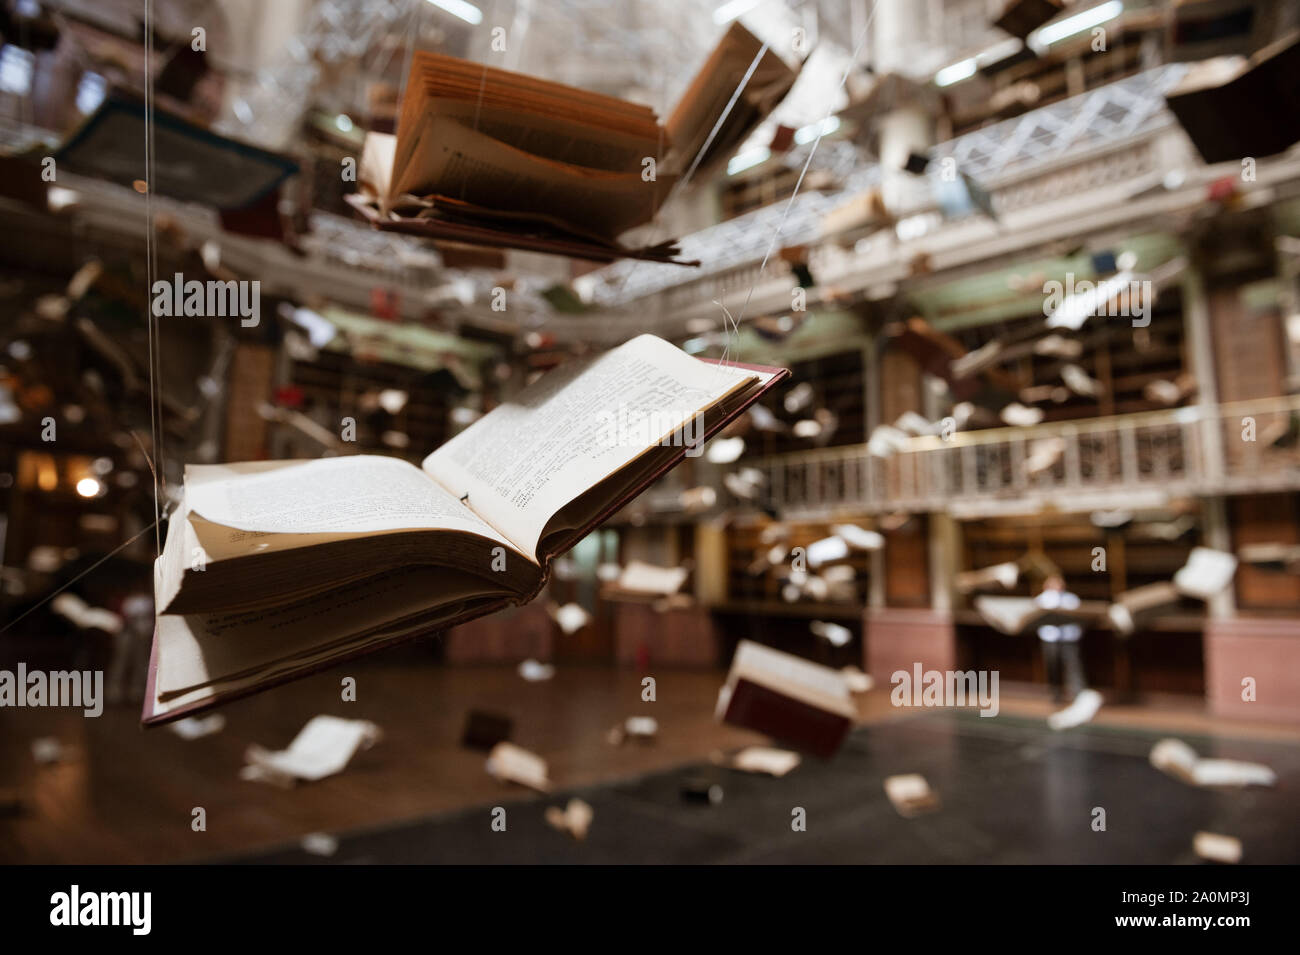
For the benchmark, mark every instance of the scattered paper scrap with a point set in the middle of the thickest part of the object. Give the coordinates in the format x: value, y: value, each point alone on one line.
x: 1078, y: 381
x: 643, y: 728
x: 1206, y: 573
x: 640, y: 577
x: 1132, y: 602
x: 575, y: 818
x: 1214, y: 847
x: 1018, y: 416
x: 1175, y: 758
x: 763, y: 759
x: 535, y: 671
x: 1043, y: 455
x: 1282, y: 557
x: 911, y: 794
x: 826, y: 550
x: 197, y: 727
x: 857, y: 681
x: 1081, y: 709
x: 724, y: 450
x: 859, y: 538
x: 514, y: 764
x: 837, y: 635
x: 885, y: 441
x: 83, y: 616
x: 322, y: 748
x: 745, y: 483
x: 319, y: 844
x: 1058, y: 346
x: 570, y: 618
x: 798, y: 397
x: 1006, y: 575
x: 47, y: 750
x: 915, y: 424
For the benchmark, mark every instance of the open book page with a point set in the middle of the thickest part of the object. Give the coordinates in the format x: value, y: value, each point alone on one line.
x: 360, y: 494
x: 573, y: 139
x: 450, y: 158
x: 528, y: 457
x: 707, y: 98
x: 198, y: 652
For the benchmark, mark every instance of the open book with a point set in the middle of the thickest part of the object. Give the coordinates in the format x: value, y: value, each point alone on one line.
x: 485, y: 156
x: 480, y: 148
x: 275, y: 569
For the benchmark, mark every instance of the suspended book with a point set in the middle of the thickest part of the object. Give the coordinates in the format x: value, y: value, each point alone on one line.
x: 703, y: 108
x: 191, y: 163
x: 1233, y: 106
x: 484, y: 156
x: 275, y: 569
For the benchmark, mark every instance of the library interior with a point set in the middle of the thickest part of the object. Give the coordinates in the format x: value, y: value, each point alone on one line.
x: 729, y: 431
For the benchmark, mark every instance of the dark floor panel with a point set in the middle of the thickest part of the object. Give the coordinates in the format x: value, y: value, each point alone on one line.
x: 1012, y: 792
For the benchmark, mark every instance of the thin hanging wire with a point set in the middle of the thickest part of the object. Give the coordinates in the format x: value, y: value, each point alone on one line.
x: 149, y: 237
x: 821, y: 131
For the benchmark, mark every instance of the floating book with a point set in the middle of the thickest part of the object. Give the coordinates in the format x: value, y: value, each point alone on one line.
x: 703, y: 111
x: 1234, y: 107
x: 788, y: 698
x: 484, y: 156
x: 190, y: 162
x: 488, y: 156
x: 275, y: 569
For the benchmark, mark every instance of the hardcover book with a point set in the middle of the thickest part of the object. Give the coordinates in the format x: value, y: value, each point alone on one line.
x: 276, y: 569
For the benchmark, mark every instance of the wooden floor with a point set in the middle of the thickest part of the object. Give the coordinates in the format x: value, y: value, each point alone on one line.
x: 123, y: 794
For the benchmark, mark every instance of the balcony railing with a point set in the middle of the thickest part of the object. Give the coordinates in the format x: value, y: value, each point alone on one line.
x: 1117, y: 461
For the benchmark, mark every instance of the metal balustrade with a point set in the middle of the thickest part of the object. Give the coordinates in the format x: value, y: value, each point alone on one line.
x: 1118, y: 461
x: 1042, y: 138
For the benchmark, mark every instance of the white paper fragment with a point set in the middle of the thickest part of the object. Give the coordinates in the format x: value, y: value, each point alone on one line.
x: 1018, y: 416
x: 46, y: 750
x: 1078, y: 381
x: 197, y: 727
x: 858, y: 682
x: 910, y: 793
x: 1214, y: 847
x: 1081, y: 709
x: 764, y: 759
x: 1206, y: 573
x: 827, y: 549
x: 1175, y: 758
x: 83, y: 616
x: 858, y: 538
x: 913, y: 423
x: 641, y: 726
x: 535, y: 672
x: 798, y: 397
x: 319, y: 844
x: 835, y: 634
x: 643, y: 578
x: 724, y: 450
x: 885, y: 441
x: 322, y: 748
x: 575, y: 818
x: 510, y: 763
x: 570, y: 618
